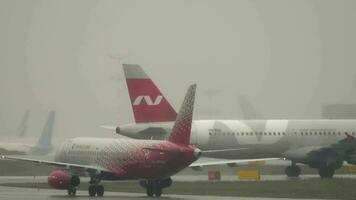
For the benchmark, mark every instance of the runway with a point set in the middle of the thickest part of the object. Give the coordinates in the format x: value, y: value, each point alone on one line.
x: 11, y: 193
x: 185, y: 178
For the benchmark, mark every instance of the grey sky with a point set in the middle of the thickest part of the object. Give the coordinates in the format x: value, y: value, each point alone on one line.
x: 287, y: 57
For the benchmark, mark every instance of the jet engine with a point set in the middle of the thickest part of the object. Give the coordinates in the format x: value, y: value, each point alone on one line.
x: 62, y: 180
x: 352, y: 159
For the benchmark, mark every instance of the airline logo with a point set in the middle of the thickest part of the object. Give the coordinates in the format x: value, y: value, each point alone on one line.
x: 138, y: 101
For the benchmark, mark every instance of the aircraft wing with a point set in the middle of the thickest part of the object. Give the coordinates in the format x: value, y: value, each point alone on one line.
x: 76, y: 168
x: 198, y: 165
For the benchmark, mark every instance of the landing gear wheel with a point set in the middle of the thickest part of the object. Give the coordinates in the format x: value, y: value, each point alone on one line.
x: 72, y: 191
x: 100, y: 190
x: 158, y: 191
x: 326, y: 172
x: 149, y: 190
x: 92, y: 190
x: 293, y: 171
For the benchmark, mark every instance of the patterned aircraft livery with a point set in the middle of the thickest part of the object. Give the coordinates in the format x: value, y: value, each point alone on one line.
x: 123, y: 159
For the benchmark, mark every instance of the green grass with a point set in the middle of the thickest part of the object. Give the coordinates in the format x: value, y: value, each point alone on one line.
x: 336, y: 188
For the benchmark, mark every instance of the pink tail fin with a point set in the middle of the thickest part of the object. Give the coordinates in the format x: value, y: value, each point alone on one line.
x: 181, y: 130
x: 148, y: 103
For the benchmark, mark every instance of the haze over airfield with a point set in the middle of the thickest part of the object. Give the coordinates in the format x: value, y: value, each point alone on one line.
x: 287, y: 57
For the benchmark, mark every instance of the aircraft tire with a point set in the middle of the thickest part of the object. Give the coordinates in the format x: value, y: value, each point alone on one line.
x: 72, y: 191
x: 100, y: 190
x: 293, y: 171
x: 92, y: 190
x: 149, y: 191
x: 158, y: 191
x: 326, y: 172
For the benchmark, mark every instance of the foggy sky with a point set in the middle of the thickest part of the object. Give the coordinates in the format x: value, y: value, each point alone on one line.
x: 287, y: 57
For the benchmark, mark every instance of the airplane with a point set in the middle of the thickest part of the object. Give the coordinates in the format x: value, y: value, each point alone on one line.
x: 42, y: 147
x: 21, y: 130
x: 320, y: 144
x: 152, y: 162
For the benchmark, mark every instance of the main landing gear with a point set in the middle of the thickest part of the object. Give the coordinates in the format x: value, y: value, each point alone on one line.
x: 154, y: 187
x: 95, y: 189
x: 74, y: 182
x: 326, y: 172
x: 293, y: 171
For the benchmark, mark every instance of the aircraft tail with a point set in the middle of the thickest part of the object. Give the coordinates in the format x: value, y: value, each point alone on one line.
x: 182, y: 127
x: 148, y: 103
x: 21, y: 130
x: 45, y: 140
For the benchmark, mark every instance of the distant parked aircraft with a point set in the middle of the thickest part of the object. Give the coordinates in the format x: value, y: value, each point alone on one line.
x: 42, y: 147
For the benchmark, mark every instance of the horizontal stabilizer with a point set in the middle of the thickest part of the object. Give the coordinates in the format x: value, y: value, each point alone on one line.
x: 169, y: 152
x: 223, y: 150
x: 108, y: 127
x: 199, y: 165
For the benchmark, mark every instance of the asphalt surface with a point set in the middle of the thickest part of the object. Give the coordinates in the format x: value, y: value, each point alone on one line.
x: 12, y: 193
x: 185, y: 178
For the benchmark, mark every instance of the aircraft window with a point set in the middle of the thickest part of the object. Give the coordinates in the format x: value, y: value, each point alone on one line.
x: 353, y: 133
x: 329, y: 133
x: 301, y: 133
x: 265, y: 133
x: 256, y: 133
x: 251, y: 133
x: 274, y: 133
x: 284, y: 133
x: 333, y: 133
x: 339, y: 133
x: 306, y: 133
x: 210, y: 133
x: 279, y: 133
x: 324, y: 133
x: 269, y: 133
x: 261, y: 133
x: 320, y: 133
x: 242, y: 133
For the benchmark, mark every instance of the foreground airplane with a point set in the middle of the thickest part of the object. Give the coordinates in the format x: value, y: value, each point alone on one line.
x: 150, y: 161
x: 42, y: 147
x: 321, y: 144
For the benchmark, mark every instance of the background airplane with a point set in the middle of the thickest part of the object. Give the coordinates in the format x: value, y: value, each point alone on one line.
x: 321, y: 144
x: 43, y: 145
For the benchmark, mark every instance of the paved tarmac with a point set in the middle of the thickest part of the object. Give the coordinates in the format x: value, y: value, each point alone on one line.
x: 12, y: 193
x: 186, y: 178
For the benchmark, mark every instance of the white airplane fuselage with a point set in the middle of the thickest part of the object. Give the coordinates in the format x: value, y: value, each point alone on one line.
x: 261, y: 138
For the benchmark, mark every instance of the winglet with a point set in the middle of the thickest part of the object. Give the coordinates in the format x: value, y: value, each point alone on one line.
x: 181, y: 130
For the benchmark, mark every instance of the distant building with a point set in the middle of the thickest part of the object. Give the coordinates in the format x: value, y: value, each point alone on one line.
x: 338, y: 111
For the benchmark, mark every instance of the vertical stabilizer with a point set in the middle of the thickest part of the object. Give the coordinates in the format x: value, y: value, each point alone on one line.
x: 148, y: 103
x: 45, y: 140
x: 21, y: 130
x: 181, y: 130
